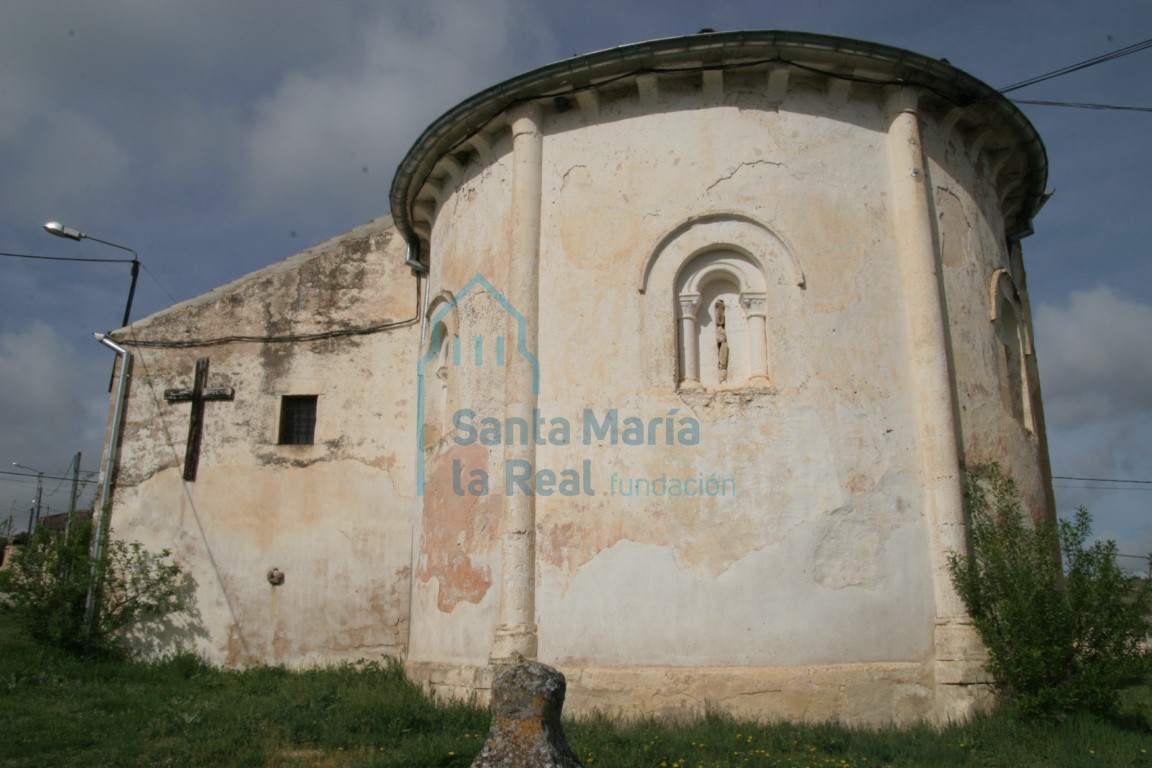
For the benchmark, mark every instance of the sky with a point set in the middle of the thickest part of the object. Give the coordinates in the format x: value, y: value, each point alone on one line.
x: 215, y: 137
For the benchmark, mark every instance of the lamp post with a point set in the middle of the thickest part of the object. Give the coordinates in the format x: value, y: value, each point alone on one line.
x: 59, y: 230
x: 34, y: 519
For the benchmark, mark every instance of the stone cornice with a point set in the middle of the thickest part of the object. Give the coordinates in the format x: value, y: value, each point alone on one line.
x: 961, y: 100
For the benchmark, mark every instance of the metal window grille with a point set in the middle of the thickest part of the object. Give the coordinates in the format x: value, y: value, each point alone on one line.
x: 297, y: 419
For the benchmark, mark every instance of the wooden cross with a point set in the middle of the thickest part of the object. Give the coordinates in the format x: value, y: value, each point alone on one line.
x: 197, y: 396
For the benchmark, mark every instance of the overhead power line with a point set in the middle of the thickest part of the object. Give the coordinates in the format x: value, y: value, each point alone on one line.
x: 1134, y: 48
x: 62, y: 258
x: 1081, y: 105
x: 1100, y: 488
x: 102, y: 261
x: 1101, y: 479
x: 157, y: 281
x: 47, y: 475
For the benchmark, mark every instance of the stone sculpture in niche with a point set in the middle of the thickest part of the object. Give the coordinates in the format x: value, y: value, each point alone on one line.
x: 721, y: 343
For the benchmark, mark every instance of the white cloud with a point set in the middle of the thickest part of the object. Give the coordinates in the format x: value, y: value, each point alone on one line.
x: 1095, y: 355
x: 35, y: 378
x: 258, y: 117
x: 48, y: 401
x: 64, y: 155
x: 336, y: 131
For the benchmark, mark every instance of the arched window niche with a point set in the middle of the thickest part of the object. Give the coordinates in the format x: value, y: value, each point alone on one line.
x: 439, y: 379
x: 1014, y: 347
x: 731, y: 257
x: 721, y: 301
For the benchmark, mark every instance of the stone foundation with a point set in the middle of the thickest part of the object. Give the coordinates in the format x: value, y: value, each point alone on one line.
x: 859, y: 694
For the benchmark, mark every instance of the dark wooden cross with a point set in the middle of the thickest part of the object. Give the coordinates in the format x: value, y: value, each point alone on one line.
x: 197, y: 396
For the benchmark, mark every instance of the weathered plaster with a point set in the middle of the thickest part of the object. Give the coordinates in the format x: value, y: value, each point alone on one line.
x: 335, y: 516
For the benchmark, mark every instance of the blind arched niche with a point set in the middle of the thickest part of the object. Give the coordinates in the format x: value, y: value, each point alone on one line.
x: 439, y: 381
x: 1014, y: 348
x: 727, y: 257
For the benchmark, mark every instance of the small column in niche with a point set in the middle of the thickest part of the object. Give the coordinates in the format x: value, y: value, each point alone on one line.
x: 755, y: 307
x: 689, y: 359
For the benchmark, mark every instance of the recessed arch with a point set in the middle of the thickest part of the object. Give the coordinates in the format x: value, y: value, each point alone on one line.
x: 731, y: 258
x: 733, y: 231
x: 720, y: 262
x: 442, y: 309
x: 1003, y: 286
x: 1014, y: 346
x: 721, y: 299
x: 438, y: 383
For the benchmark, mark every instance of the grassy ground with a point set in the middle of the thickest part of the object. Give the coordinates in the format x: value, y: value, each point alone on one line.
x: 56, y: 710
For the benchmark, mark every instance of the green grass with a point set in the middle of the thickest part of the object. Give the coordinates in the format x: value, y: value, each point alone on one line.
x: 58, y: 710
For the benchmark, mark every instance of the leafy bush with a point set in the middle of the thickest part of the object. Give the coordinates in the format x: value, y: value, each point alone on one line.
x: 1058, y: 639
x: 46, y: 587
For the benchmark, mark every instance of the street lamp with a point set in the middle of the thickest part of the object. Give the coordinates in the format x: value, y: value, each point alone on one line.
x: 33, y: 521
x: 59, y: 230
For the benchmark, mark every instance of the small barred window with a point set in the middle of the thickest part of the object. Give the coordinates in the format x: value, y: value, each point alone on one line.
x: 297, y: 419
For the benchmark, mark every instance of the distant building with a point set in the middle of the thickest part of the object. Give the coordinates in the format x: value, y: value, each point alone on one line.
x: 676, y: 390
x: 59, y: 521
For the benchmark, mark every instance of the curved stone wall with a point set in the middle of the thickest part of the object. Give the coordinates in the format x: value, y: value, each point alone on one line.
x: 717, y: 340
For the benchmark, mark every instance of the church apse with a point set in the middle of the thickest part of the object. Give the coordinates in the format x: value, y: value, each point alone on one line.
x: 708, y: 234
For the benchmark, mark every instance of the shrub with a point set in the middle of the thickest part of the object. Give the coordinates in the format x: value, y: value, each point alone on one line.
x: 47, y: 585
x: 1058, y: 639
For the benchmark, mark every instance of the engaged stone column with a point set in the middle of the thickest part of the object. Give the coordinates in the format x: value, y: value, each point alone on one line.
x: 516, y: 632
x: 911, y: 221
x: 689, y: 343
x: 756, y: 310
x: 526, y: 733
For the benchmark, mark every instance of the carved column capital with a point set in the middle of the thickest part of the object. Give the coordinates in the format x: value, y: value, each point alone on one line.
x: 689, y: 304
x: 754, y: 304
